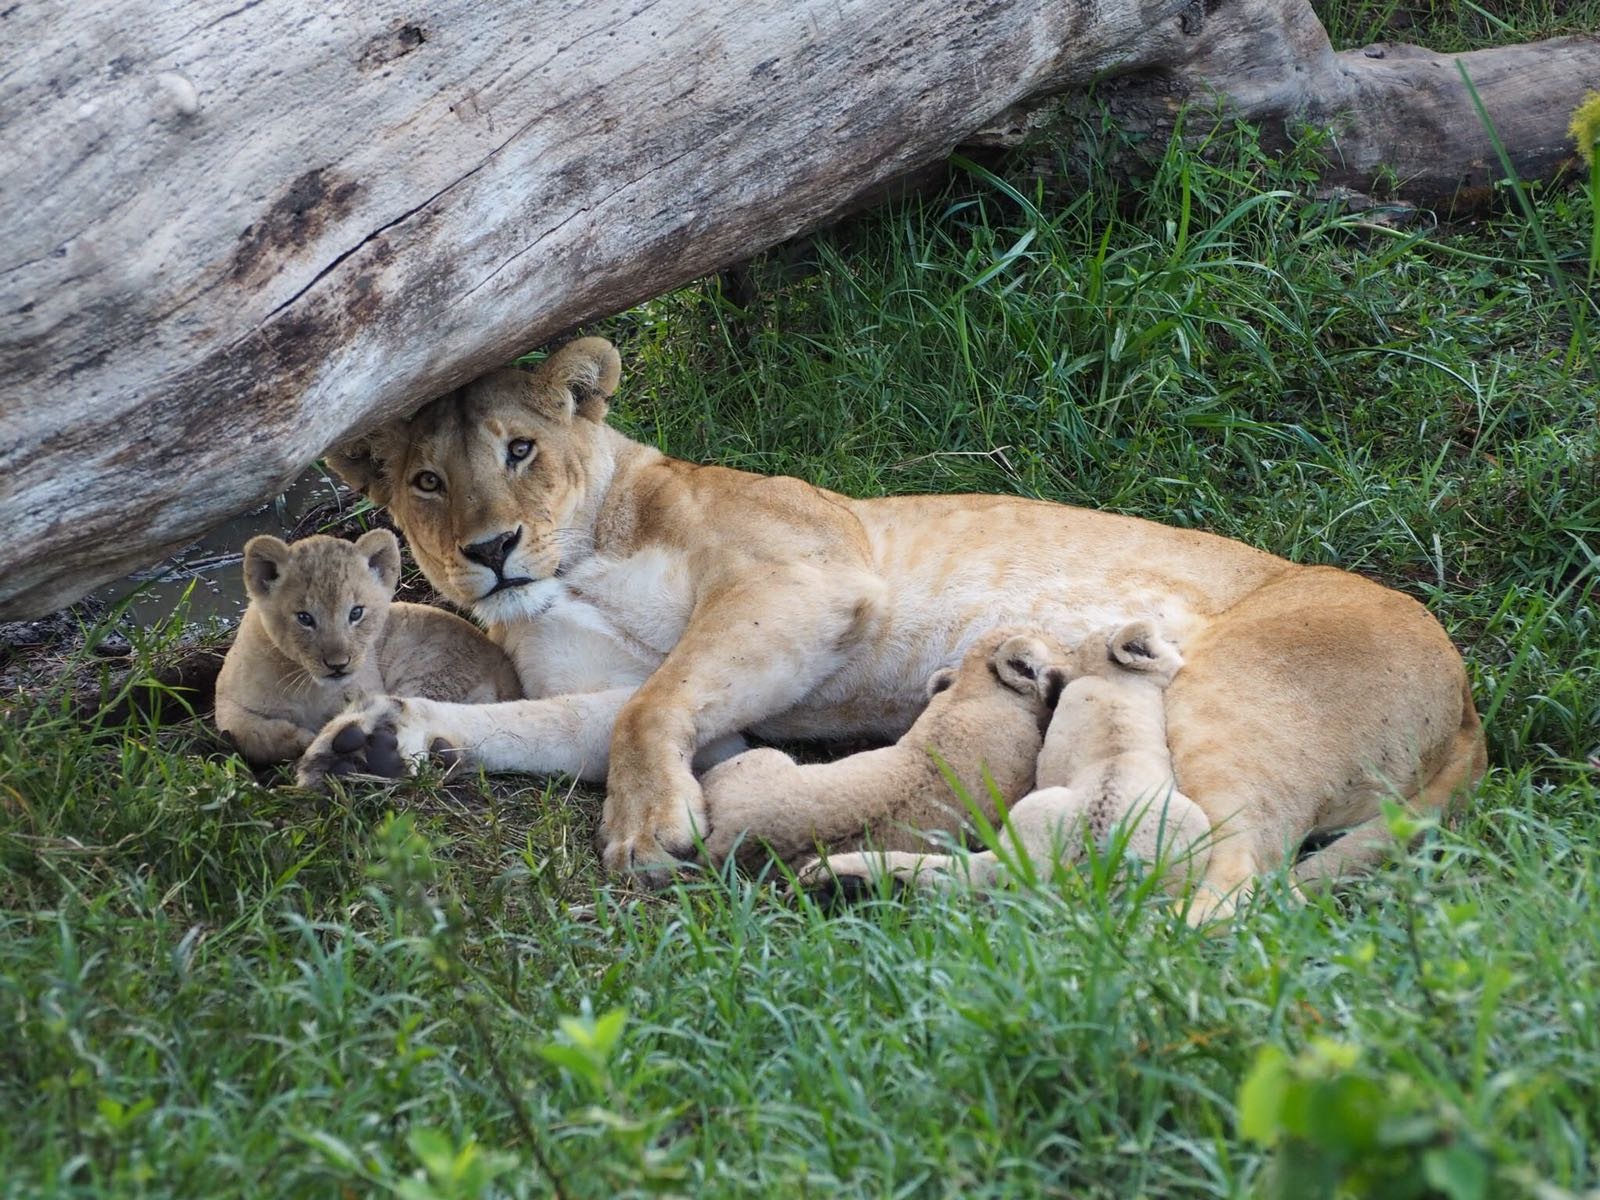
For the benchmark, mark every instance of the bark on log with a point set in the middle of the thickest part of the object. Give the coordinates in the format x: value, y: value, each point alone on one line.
x: 1402, y: 121
x: 235, y: 233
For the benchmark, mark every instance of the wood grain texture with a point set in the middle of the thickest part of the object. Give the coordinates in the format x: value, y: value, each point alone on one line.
x: 237, y: 232
x: 1402, y: 120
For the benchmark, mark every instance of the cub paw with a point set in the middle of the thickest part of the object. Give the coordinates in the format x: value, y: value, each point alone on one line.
x: 839, y: 883
x: 372, y: 740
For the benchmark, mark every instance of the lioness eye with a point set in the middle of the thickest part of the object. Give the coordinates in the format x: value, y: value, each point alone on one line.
x: 427, y: 481
x: 355, y: 614
x: 519, y: 450
x: 306, y: 619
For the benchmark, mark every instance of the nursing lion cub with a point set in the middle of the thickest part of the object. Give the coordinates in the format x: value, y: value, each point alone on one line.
x: 984, y: 723
x: 1104, y: 769
x: 323, y: 631
x: 684, y: 603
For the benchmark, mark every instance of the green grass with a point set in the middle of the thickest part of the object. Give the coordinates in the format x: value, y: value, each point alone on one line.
x: 1454, y: 25
x: 213, y: 987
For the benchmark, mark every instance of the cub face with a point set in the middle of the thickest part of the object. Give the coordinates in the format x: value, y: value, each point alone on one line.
x: 323, y: 601
x: 1136, y: 646
x: 488, y: 482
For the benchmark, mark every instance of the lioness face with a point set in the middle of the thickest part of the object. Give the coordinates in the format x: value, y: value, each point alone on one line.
x: 493, y: 483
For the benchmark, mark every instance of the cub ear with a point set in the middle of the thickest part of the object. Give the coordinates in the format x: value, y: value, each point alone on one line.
x: 1140, y: 646
x: 1023, y: 664
x: 940, y: 681
x: 588, y: 370
x: 364, y: 462
x: 382, y: 552
x: 265, y: 560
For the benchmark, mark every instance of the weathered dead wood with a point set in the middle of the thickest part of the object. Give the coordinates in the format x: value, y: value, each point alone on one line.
x: 235, y: 233
x: 1401, y: 121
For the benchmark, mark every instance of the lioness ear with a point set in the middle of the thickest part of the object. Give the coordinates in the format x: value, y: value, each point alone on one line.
x: 265, y: 559
x: 363, y: 463
x: 1021, y: 664
x: 1139, y: 646
x: 589, y: 369
x: 382, y: 553
x: 940, y: 681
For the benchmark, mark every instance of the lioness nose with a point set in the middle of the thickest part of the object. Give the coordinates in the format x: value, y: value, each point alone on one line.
x: 492, y: 551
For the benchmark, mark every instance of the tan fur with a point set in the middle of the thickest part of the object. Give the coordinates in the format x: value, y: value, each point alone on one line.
x: 278, y: 685
x: 987, y: 714
x: 1104, y: 770
x: 706, y: 601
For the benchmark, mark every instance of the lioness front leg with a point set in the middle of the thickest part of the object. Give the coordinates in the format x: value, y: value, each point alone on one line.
x: 566, y: 735
x: 753, y: 652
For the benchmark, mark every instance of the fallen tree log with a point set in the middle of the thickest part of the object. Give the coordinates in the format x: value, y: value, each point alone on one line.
x: 237, y: 233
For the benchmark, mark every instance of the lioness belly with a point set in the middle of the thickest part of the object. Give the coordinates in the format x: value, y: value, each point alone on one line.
x: 955, y: 567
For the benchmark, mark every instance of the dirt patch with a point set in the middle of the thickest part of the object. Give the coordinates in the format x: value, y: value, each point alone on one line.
x: 202, y: 587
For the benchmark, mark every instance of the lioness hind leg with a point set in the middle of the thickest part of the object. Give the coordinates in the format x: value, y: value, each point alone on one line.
x: 1302, y: 704
x: 1367, y: 844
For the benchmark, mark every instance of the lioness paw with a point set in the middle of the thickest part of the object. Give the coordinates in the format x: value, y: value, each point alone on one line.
x: 652, y: 841
x: 372, y: 740
x: 644, y: 859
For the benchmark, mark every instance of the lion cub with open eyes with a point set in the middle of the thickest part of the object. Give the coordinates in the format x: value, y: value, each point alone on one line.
x: 323, y: 630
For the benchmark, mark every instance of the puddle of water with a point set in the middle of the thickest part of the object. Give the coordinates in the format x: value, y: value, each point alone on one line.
x: 212, y: 563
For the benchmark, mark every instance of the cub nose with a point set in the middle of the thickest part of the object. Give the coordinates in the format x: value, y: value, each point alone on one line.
x: 336, y: 664
x: 492, y: 551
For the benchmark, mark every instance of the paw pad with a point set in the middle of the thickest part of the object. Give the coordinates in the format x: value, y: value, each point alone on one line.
x: 383, y: 753
x: 349, y: 739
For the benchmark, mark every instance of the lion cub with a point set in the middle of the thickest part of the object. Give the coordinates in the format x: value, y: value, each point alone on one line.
x: 323, y: 630
x: 1104, y: 764
x: 988, y: 712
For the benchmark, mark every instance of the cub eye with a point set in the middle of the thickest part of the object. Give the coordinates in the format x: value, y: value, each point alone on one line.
x: 427, y: 481
x: 355, y: 614
x: 306, y: 619
x: 519, y: 450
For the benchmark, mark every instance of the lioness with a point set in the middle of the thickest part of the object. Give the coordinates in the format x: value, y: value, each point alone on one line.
x: 706, y: 600
x: 323, y: 631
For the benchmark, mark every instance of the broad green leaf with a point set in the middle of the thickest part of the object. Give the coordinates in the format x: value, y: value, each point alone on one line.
x: 1262, y: 1094
x: 1458, y: 1171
